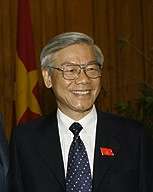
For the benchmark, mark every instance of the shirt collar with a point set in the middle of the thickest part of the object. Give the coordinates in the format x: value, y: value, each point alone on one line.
x: 66, y: 121
x: 89, y: 119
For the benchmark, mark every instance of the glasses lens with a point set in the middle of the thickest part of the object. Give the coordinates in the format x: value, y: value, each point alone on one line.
x: 70, y: 71
x: 93, y: 70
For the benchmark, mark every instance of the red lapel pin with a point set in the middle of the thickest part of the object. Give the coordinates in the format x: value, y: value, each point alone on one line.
x: 105, y: 151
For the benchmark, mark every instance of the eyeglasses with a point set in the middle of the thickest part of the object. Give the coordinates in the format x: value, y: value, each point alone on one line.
x: 71, y: 71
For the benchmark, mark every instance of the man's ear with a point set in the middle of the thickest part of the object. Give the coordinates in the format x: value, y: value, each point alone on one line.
x: 47, y: 78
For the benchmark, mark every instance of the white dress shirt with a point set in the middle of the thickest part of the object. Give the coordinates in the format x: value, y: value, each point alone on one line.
x: 87, y: 134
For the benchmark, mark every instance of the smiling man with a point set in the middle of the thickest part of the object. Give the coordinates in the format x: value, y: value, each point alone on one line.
x: 74, y: 90
x: 79, y: 148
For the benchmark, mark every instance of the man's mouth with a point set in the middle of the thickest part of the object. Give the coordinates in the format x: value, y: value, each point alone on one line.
x: 81, y: 92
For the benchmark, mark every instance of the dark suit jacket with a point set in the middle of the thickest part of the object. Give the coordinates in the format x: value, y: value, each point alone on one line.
x: 37, y: 164
x: 3, y: 161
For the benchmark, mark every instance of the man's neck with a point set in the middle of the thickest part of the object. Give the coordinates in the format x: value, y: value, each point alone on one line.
x: 76, y: 115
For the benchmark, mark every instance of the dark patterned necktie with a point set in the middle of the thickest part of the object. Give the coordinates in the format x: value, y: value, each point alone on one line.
x: 78, y: 178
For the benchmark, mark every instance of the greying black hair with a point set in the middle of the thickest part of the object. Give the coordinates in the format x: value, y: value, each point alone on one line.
x: 64, y: 40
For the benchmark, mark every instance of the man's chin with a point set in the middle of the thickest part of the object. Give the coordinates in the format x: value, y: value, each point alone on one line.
x: 83, y: 108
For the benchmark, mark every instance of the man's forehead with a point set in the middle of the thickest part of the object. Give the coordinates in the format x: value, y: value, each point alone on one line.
x: 75, y: 52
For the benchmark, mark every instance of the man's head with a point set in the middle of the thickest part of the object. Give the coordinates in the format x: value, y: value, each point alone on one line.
x: 72, y: 65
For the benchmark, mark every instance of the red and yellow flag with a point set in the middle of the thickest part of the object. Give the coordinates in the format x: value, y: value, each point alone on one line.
x: 27, y: 100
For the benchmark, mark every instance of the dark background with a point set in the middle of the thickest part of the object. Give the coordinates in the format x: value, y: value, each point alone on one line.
x: 122, y: 29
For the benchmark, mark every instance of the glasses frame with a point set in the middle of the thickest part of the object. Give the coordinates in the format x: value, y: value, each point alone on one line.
x: 82, y: 67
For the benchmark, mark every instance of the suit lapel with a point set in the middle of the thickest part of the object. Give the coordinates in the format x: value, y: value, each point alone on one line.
x: 50, y: 150
x: 104, y: 139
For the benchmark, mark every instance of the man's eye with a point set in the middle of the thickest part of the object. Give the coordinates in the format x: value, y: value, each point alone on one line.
x: 92, y: 67
x: 70, y: 69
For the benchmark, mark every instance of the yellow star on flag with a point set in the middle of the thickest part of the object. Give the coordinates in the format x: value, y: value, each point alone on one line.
x: 25, y: 83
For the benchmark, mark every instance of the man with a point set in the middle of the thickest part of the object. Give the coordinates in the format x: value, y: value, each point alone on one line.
x: 3, y: 161
x: 79, y: 148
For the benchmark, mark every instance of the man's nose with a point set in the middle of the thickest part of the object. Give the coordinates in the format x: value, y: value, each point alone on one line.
x: 82, y: 77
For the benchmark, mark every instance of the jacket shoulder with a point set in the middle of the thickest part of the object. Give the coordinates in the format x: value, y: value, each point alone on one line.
x: 120, y: 123
x: 34, y: 128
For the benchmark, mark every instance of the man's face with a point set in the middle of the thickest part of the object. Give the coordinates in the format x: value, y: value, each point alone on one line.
x: 75, y: 97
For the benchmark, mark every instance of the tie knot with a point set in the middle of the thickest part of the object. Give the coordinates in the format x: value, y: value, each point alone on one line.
x: 75, y: 128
